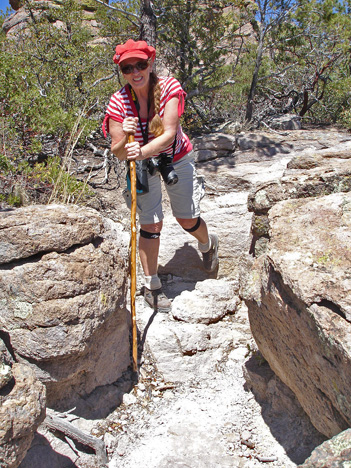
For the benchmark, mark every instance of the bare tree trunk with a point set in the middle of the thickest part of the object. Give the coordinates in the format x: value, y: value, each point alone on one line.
x: 250, y: 99
x: 148, y: 23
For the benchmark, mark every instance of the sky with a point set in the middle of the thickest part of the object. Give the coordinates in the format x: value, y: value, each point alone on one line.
x: 4, y: 4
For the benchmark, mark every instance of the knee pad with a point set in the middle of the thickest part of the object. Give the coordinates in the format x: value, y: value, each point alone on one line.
x: 149, y: 235
x: 196, y: 227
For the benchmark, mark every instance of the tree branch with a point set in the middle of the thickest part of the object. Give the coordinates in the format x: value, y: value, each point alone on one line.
x: 105, y: 78
x: 197, y: 92
x: 127, y: 14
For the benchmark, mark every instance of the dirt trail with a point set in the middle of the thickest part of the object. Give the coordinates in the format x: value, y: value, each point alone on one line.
x: 199, y: 411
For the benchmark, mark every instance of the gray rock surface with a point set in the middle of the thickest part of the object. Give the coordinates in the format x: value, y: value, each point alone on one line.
x: 37, y: 229
x: 284, y: 122
x: 209, y: 302
x: 213, y: 146
x: 309, y: 173
x: 6, y: 362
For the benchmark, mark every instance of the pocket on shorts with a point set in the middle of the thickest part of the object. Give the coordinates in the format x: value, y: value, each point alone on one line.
x: 201, y: 184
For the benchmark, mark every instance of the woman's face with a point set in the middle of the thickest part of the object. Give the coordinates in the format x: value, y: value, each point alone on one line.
x: 137, y: 72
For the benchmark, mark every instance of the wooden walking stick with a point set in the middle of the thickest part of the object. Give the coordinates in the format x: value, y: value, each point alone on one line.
x: 133, y: 258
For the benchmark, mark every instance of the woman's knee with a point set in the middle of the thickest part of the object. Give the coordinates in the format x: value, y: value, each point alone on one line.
x: 189, y: 225
x: 152, y: 228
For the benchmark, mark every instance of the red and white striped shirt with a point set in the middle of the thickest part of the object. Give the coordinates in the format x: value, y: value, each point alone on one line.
x: 121, y: 105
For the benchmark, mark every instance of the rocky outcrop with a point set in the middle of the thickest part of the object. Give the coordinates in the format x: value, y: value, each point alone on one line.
x: 63, y: 295
x: 15, y: 4
x: 298, y: 296
x: 22, y: 409
x: 18, y: 22
x: 213, y: 146
x: 310, y: 173
x: 35, y: 230
x: 208, y: 303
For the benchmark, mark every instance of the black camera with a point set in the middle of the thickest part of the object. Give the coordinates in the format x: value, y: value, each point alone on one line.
x: 163, y: 164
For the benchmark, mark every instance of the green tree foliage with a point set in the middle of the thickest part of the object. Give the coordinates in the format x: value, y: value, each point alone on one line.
x: 305, y: 63
x: 270, y: 14
x: 48, y: 75
x: 320, y: 46
x: 51, y: 77
x: 197, y: 41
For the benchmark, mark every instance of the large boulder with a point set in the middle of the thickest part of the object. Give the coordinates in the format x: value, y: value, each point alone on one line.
x: 284, y: 122
x: 63, y: 300
x: 37, y: 229
x: 298, y: 296
x: 309, y: 173
x: 22, y: 409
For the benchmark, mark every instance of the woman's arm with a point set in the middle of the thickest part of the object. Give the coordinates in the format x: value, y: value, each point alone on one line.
x: 170, y: 124
x: 119, y: 139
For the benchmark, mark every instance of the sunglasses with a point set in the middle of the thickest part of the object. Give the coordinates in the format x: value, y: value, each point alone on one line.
x: 128, y: 69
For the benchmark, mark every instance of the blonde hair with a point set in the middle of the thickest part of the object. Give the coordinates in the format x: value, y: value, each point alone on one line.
x: 156, y: 125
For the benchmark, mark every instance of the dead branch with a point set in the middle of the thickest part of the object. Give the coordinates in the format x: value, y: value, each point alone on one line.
x: 95, y: 150
x: 57, y: 422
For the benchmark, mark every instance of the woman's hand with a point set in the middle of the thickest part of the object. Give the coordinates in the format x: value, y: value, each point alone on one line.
x: 133, y: 151
x: 129, y: 125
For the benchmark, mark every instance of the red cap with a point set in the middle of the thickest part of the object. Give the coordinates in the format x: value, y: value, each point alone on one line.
x: 132, y: 49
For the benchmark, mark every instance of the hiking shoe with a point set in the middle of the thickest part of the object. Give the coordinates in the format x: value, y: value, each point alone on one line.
x: 210, y: 258
x: 157, y: 300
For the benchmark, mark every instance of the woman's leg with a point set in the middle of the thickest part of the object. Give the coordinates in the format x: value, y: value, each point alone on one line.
x: 185, y: 199
x: 149, y: 245
x: 207, y: 243
x: 201, y: 233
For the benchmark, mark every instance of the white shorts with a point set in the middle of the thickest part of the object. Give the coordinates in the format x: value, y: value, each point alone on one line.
x: 184, y: 196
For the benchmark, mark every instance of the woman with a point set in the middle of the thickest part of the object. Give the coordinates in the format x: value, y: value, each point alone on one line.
x: 149, y: 108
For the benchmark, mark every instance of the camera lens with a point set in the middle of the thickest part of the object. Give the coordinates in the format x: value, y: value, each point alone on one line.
x: 169, y: 175
x: 162, y: 163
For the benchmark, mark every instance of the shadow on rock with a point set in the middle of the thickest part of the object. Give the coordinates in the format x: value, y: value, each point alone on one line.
x: 281, y: 410
x: 142, y: 338
x: 186, y: 264
x: 103, y: 400
x: 42, y: 454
